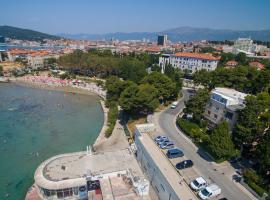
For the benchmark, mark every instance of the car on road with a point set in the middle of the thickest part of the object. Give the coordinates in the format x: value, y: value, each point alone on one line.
x: 184, y: 164
x: 163, y: 141
x: 174, y: 153
x: 167, y: 145
x: 210, y: 191
x: 198, y: 184
x: 174, y: 104
x: 160, y: 137
x: 223, y: 199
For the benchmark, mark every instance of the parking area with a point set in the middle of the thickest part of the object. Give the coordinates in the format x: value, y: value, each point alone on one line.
x: 189, y: 174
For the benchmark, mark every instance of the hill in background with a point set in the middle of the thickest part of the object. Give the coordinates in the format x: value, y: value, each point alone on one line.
x: 24, y: 34
x: 179, y: 34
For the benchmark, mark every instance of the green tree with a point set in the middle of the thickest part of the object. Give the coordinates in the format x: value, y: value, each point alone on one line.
x: 241, y: 58
x: 132, y: 69
x: 263, y: 154
x: 225, y: 57
x: 253, y: 121
x: 196, y: 105
x: 139, y: 100
x: 202, y: 77
x: 128, y: 98
x: 114, y: 87
x: 156, y: 68
x: 166, y: 87
x: 220, y: 142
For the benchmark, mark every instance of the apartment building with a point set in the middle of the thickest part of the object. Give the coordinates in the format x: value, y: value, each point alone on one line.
x: 223, y: 105
x: 189, y: 61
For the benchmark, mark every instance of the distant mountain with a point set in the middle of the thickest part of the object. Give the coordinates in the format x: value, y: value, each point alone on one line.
x: 24, y: 34
x: 179, y: 34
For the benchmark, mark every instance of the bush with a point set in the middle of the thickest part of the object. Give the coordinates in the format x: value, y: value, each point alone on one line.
x: 112, y: 117
x: 256, y: 188
x: 254, y: 181
x: 193, y: 130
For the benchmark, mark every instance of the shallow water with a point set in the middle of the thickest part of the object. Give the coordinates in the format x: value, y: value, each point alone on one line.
x: 36, y: 124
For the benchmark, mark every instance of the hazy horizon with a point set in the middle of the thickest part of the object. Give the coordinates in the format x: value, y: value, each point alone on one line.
x: 104, y: 16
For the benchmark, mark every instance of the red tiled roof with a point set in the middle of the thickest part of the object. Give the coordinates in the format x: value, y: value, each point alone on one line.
x: 195, y: 55
x: 258, y: 65
x: 232, y: 63
x: 153, y: 49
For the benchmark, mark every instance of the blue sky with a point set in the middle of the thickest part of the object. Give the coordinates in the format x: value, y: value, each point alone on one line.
x: 103, y: 16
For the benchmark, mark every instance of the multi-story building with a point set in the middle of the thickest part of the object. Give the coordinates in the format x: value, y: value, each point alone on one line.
x: 244, y: 45
x: 223, y: 105
x: 162, y: 40
x: 165, y: 180
x: 189, y: 61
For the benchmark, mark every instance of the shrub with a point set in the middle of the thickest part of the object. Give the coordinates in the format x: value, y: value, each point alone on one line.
x: 112, y: 117
x: 256, y: 188
x: 193, y: 130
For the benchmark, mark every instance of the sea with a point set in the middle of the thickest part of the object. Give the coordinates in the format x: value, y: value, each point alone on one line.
x: 36, y: 124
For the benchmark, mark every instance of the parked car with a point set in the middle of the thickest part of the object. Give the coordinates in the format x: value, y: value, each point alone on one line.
x: 198, y: 184
x: 223, y: 199
x: 163, y: 141
x: 160, y: 137
x: 174, y: 104
x: 174, y: 153
x: 167, y: 145
x: 210, y: 191
x: 184, y: 164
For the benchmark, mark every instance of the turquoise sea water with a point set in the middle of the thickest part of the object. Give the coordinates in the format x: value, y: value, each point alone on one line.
x: 37, y: 124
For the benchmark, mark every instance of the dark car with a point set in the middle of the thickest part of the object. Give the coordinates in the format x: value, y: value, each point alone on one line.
x: 223, y: 199
x: 184, y: 164
x: 174, y: 153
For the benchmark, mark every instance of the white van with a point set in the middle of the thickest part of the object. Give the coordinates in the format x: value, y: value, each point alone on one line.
x: 174, y: 104
x: 198, y: 184
x: 210, y: 191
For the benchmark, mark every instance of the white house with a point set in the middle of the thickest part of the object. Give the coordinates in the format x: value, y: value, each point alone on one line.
x: 189, y: 61
x: 223, y: 105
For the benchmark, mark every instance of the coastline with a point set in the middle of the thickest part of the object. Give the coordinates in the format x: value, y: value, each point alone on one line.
x: 69, y: 89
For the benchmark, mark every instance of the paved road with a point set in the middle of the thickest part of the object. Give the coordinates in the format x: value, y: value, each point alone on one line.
x: 202, y: 162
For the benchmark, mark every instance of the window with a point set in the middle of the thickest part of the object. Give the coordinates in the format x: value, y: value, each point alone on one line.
x: 215, y: 116
x: 209, y: 112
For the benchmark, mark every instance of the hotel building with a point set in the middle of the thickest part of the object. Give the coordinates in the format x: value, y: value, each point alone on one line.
x: 191, y: 62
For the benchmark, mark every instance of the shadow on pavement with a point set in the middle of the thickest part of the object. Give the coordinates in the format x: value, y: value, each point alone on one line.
x: 204, y: 155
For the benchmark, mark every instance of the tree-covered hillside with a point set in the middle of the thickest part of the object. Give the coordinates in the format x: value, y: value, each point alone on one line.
x: 24, y: 34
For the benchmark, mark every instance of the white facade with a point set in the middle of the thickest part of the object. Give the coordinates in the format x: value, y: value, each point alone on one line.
x: 223, y: 105
x: 163, y: 177
x: 37, y: 62
x: 189, y: 61
x: 244, y: 45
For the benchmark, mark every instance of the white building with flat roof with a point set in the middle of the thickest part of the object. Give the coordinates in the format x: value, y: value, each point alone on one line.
x: 223, y: 105
x: 88, y: 176
x: 166, y: 181
x: 189, y: 61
